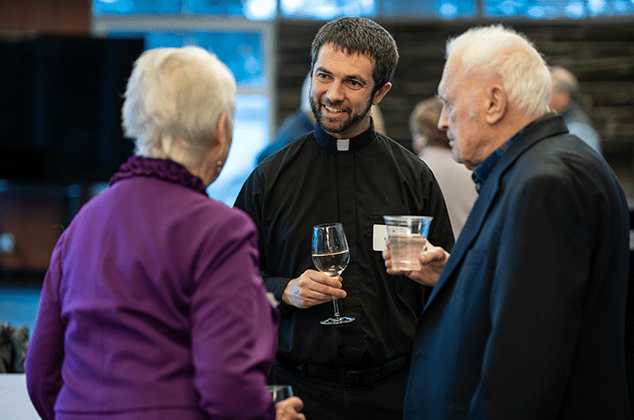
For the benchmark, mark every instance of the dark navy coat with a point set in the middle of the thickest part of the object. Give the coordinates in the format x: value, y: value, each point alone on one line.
x: 527, y: 318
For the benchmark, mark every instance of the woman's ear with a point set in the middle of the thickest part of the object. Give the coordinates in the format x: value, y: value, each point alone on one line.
x: 217, y: 151
x: 219, y: 142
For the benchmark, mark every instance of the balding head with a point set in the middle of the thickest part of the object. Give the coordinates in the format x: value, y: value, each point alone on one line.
x: 565, y: 88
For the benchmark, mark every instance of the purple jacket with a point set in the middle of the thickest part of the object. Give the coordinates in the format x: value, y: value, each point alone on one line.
x: 153, y: 307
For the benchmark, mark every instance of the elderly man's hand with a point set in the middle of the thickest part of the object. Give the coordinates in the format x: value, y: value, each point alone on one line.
x: 289, y: 409
x: 432, y: 260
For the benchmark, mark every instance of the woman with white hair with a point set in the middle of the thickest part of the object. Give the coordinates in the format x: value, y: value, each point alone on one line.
x: 153, y: 306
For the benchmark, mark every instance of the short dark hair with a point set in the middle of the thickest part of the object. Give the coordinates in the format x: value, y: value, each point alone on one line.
x: 356, y: 35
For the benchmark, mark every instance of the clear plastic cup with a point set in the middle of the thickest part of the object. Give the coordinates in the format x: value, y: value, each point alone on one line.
x: 407, y: 235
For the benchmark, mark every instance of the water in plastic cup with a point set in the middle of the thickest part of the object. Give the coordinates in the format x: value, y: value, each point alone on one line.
x: 407, y: 236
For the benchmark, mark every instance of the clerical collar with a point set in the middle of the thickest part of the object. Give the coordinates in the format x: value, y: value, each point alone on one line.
x: 334, y: 145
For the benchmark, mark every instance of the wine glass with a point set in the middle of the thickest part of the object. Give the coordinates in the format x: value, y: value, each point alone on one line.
x: 280, y: 392
x: 331, y: 256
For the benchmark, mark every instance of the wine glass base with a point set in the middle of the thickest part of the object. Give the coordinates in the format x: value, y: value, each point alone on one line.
x: 337, y: 321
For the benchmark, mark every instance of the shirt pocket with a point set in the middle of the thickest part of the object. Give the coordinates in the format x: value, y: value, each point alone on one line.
x: 377, y: 235
x: 379, y: 211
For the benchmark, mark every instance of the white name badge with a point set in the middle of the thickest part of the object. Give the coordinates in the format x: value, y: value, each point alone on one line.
x: 379, y: 235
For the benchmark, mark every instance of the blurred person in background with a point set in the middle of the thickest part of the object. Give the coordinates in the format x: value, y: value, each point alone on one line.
x: 153, y: 306
x: 432, y: 146
x: 566, y: 99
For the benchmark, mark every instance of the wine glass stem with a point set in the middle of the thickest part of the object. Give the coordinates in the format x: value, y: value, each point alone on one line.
x: 336, y: 305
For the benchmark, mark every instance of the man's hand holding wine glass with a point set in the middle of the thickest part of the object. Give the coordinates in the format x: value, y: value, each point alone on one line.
x: 313, y: 288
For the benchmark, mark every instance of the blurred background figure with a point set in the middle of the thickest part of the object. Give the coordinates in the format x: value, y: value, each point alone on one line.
x: 153, y: 306
x: 14, y: 342
x: 302, y: 122
x: 567, y: 100
x: 432, y: 145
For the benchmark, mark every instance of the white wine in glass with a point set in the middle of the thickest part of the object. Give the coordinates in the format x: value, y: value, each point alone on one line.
x: 331, y: 256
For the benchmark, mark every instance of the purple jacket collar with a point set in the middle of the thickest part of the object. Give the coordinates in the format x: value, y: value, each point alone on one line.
x: 167, y: 170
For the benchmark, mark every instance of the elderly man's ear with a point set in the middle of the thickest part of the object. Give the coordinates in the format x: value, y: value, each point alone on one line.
x: 496, y: 103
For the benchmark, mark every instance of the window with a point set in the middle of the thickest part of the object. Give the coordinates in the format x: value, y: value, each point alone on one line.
x: 243, y: 49
x: 240, y: 51
x: 444, y: 9
x: 135, y: 6
x: 250, y: 9
x: 327, y: 9
x: 249, y: 138
x: 552, y: 9
x: 267, y: 10
x: 240, y: 32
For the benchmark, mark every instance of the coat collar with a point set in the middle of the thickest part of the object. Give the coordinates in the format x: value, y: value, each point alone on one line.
x: 165, y: 169
x: 548, y: 126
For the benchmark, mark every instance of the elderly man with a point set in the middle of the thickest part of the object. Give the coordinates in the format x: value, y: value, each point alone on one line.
x: 526, y: 319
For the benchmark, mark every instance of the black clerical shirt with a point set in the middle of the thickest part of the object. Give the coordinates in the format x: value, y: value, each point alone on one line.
x: 311, y: 182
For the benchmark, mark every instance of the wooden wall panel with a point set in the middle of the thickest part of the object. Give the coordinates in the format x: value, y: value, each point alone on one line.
x: 45, y: 16
x: 34, y: 215
x: 601, y: 55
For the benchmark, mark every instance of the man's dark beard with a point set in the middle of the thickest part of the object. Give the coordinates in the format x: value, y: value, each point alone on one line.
x: 345, y: 126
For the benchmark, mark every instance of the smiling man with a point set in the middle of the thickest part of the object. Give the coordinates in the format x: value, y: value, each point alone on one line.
x: 343, y: 93
x: 344, y: 171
